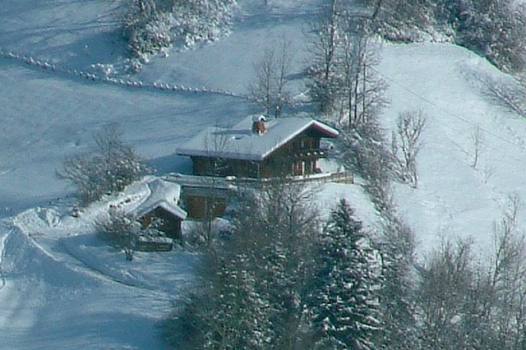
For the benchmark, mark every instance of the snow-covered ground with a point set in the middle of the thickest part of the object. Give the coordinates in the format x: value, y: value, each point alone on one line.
x: 454, y: 199
x: 60, y: 287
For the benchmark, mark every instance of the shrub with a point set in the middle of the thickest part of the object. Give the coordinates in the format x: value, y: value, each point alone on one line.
x: 119, y: 229
x: 109, y: 167
x: 153, y: 25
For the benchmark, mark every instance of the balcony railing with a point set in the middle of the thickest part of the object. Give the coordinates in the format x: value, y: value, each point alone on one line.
x: 230, y: 182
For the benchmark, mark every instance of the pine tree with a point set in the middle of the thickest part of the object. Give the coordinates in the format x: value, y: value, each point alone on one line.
x: 254, y: 284
x: 225, y: 312
x: 282, y: 230
x: 397, y: 295
x: 345, y: 306
x: 238, y: 319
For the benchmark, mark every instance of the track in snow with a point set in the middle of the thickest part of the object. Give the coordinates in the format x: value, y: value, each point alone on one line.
x: 50, y: 67
x: 2, y: 256
x: 98, y: 273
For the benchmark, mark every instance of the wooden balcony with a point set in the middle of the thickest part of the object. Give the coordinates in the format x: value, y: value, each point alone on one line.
x: 314, y: 153
x: 231, y: 182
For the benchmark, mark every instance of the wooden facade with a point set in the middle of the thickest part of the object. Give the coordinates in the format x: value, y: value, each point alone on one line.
x: 254, y: 149
x: 168, y: 223
x: 299, y: 156
x: 203, y: 207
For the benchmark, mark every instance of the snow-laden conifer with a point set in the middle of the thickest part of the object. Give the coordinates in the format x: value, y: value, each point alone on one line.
x: 345, y: 303
x: 225, y: 311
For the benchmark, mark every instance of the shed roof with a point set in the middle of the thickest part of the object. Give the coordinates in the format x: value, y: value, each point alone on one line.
x: 162, y: 194
x: 240, y: 142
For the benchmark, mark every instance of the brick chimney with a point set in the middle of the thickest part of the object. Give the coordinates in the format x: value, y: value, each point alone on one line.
x: 258, y: 125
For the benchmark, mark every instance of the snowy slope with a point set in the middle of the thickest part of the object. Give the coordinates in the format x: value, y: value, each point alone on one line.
x: 229, y: 63
x: 454, y: 199
x: 62, y: 288
x: 73, y: 33
x: 47, y: 117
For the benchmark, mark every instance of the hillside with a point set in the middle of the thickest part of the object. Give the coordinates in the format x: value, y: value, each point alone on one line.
x: 56, y: 297
x: 454, y: 199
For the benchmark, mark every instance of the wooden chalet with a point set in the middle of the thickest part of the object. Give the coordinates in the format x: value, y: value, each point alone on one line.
x: 259, y: 148
x: 255, y: 148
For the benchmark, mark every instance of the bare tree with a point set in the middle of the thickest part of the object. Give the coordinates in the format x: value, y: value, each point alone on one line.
x: 407, y: 143
x: 507, y: 279
x: 343, y: 78
x: 269, y: 87
x: 284, y: 66
x: 109, y: 167
x: 263, y: 89
x: 509, y: 93
x: 364, y: 88
x: 214, y: 166
x: 478, y: 139
x: 324, y: 45
x: 479, y: 305
x: 446, y: 281
x: 120, y: 230
x: 397, y: 295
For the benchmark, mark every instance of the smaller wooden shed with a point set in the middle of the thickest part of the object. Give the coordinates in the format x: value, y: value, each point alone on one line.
x: 161, y: 208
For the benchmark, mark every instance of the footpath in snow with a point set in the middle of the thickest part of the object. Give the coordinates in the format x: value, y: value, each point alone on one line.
x: 4, y: 235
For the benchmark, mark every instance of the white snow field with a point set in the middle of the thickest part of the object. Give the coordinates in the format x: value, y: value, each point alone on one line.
x: 454, y: 199
x: 61, y: 288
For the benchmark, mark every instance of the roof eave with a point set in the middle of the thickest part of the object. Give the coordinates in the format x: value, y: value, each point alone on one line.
x: 330, y: 132
x: 226, y: 155
x: 174, y: 210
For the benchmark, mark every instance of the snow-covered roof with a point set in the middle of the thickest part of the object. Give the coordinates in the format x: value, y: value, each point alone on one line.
x: 240, y: 142
x: 162, y: 194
